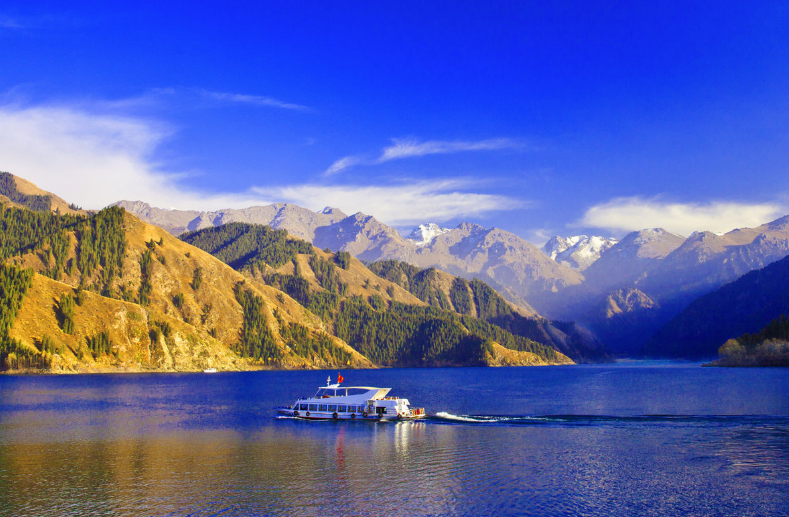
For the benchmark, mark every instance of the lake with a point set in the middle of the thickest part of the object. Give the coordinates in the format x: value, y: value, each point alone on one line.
x: 626, y: 439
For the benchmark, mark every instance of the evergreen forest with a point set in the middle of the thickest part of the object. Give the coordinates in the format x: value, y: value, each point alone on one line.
x: 247, y: 246
x: 35, y: 202
x: 387, y: 333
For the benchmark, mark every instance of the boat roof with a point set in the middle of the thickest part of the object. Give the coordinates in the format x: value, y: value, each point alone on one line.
x: 337, y: 386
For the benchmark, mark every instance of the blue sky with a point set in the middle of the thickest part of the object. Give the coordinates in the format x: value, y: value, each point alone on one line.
x: 539, y: 119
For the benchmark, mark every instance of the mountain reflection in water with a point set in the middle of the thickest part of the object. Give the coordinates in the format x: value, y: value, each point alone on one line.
x: 540, y: 441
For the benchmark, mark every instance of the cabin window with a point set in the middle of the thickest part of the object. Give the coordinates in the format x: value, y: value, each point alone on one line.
x: 322, y: 407
x: 313, y: 407
x: 332, y: 408
x: 303, y: 407
x: 342, y: 409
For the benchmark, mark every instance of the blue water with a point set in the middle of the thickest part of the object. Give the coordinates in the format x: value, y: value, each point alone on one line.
x: 624, y: 439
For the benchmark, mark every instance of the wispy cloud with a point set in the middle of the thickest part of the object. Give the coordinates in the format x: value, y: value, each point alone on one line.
x: 341, y: 164
x: 400, y: 204
x: 37, y: 21
x: 191, y: 98
x: 409, y: 148
x: 7, y: 22
x: 636, y: 213
x: 254, y: 100
x: 96, y: 159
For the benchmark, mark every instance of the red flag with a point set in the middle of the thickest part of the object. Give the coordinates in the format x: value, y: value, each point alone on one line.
x: 340, y: 378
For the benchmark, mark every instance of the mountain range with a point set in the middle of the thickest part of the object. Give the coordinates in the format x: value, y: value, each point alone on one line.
x: 623, y: 290
x: 512, y: 265
x: 105, y: 291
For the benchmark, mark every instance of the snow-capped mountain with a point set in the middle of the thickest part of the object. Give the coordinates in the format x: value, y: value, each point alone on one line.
x: 425, y: 233
x: 577, y: 252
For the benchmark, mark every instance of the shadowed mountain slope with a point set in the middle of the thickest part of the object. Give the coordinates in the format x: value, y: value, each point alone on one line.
x: 743, y: 306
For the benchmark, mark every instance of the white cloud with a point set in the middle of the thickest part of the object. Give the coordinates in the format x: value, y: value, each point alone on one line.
x: 97, y: 159
x: 409, y: 148
x: 636, y: 213
x: 399, y: 205
x: 94, y: 160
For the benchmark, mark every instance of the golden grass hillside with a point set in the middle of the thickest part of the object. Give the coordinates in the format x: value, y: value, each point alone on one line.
x: 203, y: 323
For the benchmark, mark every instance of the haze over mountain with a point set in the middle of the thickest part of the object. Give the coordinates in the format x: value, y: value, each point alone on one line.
x: 650, y: 276
x: 623, y: 291
x: 745, y: 305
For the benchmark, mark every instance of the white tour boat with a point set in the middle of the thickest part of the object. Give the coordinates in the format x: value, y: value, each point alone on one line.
x: 352, y: 403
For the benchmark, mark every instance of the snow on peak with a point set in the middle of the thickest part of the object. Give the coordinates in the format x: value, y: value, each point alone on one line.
x: 577, y: 252
x: 425, y: 233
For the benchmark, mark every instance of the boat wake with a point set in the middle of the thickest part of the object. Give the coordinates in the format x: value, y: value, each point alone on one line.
x: 484, y: 419
x: 778, y: 422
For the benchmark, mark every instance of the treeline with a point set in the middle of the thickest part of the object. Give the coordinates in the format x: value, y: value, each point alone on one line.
x: 248, y: 246
x: 776, y: 329
x: 256, y: 341
x: 101, y: 241
x: 14, y: 284
x: 387, y: 333
x: 23, y: 231
x: 327, y: 277
x: 401, y: 334
x: 477, y: 299
x: 36, y: 203
x: 321, y: 303
x: 419, y: 282
x: 472, y: 298
x: 768, y: 347
x: 408, y: 335
x: 317, y: 348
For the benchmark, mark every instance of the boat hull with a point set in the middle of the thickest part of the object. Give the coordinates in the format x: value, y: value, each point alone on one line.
x: 321, y: 415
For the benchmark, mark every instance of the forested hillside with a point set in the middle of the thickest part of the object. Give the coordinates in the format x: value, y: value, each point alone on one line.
x: 39, y: 203
x: 376, y: 316
x: 743, y: 306
x: 14, y: 284
x: 106, y: 292
x: 477, y: 299
x: 115, y: 294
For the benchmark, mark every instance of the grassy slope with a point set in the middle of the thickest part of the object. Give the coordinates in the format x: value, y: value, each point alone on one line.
x: 190, y: 347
